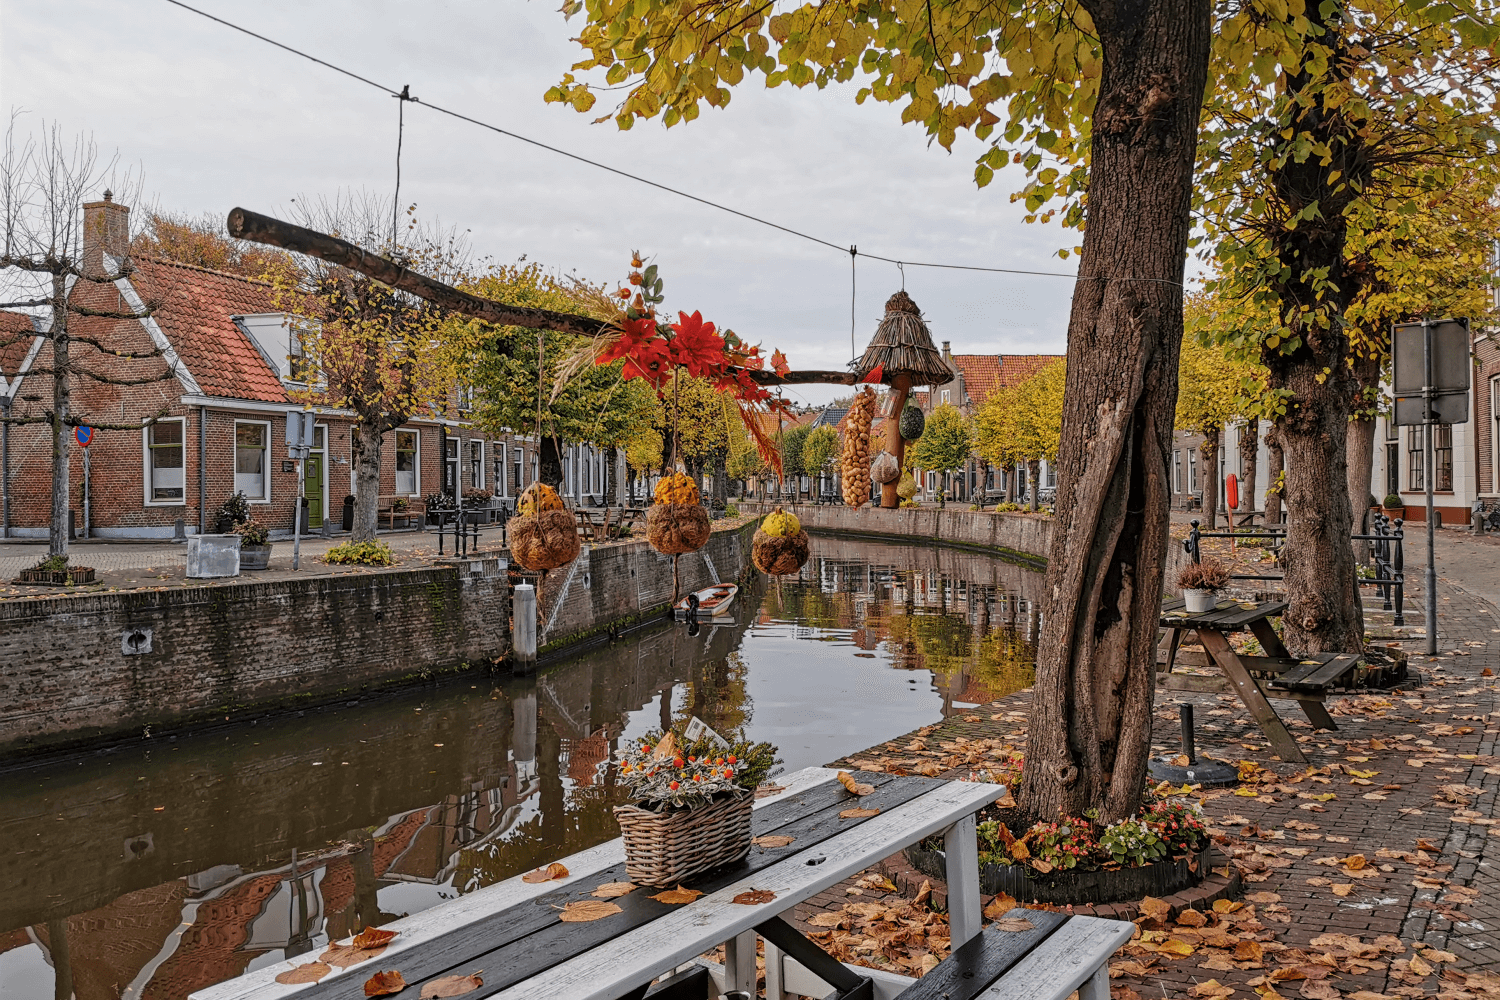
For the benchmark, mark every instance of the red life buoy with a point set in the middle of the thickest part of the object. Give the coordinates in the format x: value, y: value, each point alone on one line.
x: 1231, y: 492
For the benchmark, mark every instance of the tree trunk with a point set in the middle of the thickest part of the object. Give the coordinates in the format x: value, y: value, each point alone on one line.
x: 549, y: 462
x: 1324, y: 613
x: 365, y: 447
x: 1249, y: 452
x: 57, y: 533
x: 1035, y: 486
x: 1010, y: 483
x: 1275, y: 468
x: 1090, y: 727
x: 612, y: 495
x: 1210, y: 453
x: 1360, y: 445
x: 900, y: 390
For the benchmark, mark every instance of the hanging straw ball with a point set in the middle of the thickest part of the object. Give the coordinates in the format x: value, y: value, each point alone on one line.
x: 885, y: 468
x: 781, y: 544
x: 543, y: 541
x: 675, y: 528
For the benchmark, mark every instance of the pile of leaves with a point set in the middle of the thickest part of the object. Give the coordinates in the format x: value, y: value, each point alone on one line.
x: 361, y: 554
x: 903, y: 936
x: 666, y: 769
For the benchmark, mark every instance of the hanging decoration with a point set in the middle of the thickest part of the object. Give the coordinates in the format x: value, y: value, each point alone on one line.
x: 677, y: 522
x: 854, y: 462
x: 781, y: 544
x: 884, y: 469
x: 913, y: 423
x: 543, y: 534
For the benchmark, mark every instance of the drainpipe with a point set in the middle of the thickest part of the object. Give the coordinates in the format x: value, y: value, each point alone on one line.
x: 203, y: 470
x: 5, y: 469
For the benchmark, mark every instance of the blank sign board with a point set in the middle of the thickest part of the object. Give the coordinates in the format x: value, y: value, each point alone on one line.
x: 1450, y: 371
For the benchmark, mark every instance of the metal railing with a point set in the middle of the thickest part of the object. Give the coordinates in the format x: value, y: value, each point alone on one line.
x: 1386, y: 543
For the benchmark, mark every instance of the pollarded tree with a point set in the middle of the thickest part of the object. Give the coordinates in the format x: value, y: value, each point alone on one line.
x: 1038, y: 404
x: 819, y: 449
x: 1096, y: 94
x: 1211, y: 394
x: 945, y: 444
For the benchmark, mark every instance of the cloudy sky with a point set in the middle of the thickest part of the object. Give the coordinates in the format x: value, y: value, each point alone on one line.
x: 214, y: 119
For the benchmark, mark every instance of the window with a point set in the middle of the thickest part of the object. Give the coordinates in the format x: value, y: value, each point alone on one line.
x: 1390, y: 428
x: 1414, y: 459
x: 252, y: 459
x: 465, y: 398
x: 1442, y: 457
x: 1495, y: 430
x: 1192, y: 456
x: 406, y: 463
x: 1176, y: 472
x: 476, y: 464
x: 946, y: 394
x: 1392, y: 468
x: 450, y: 466
x: 931, y: 482
x: 164, y: 468
x: 300, y: 365
x: 1051, y: 476
x: 499, y: 476
x: 519, y: 460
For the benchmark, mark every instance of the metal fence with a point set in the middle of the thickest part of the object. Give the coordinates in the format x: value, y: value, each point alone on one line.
x: 1385, y: 540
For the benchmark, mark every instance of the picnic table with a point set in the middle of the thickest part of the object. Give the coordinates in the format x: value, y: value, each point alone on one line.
x: 592, y: 520
x: 652, y: 948
x: 1305, y: 680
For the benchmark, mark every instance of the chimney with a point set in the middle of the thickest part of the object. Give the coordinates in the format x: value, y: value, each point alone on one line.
x: 947, y: 354
x: 106, y: 229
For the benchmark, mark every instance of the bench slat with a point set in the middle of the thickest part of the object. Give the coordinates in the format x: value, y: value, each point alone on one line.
x: 974, y: 966
x: 1316, y: 677
x: 1065, y: 961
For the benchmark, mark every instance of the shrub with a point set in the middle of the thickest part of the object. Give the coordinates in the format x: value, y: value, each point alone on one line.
x: 1006, y: 507
x: 730, y: 510
x: 1392, y: 500
x: 1179, y: 825
x: 252, y: 532
x: 1207, y: 575
x: 476, y: 494
x: 361, y: 554
x: 1132, y: 843
x: 236, y: 508
x: 52, y: 564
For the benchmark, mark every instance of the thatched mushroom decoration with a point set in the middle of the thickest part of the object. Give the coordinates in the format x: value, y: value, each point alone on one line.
x: 543, y: 535
x: 781, y: 544
x: 901, y: 355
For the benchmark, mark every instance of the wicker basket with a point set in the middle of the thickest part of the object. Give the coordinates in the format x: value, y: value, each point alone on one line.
x: 663, y: 848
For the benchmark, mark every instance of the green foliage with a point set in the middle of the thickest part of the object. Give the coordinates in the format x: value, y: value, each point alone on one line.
x: 1392, y: 501
x: 1214, y: 386
x: 236, y: 508
x: 819, y: 448
x: 643, y: 449
x: 1132, y: 843
x: 52, y: 564
x: 361, y: 554
x: 791, y: 451
x: 946, y: 442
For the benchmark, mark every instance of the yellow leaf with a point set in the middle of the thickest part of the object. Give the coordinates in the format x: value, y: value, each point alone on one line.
x: 673, y: 897
x: 586, y: 910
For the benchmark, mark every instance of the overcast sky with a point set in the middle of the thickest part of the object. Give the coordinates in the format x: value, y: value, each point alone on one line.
x: 216, y: 119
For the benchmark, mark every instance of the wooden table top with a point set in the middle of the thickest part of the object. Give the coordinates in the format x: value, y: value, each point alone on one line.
x: 1227, y: 616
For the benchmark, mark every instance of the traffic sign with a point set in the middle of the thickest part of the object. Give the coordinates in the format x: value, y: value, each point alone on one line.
x: 83, y: 435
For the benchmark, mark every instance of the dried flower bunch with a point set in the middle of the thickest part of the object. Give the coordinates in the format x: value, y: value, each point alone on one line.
x: 1207, y: 575
x: 664, y: 769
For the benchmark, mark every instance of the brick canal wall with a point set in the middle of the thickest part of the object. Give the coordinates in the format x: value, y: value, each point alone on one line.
x: 80, y: 669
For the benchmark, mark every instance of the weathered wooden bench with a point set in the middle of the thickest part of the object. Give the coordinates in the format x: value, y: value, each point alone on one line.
x: 1288, y: 678
x: 387, y: 515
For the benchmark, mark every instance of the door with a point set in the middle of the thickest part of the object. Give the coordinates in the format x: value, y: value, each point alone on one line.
x: 312, y: 480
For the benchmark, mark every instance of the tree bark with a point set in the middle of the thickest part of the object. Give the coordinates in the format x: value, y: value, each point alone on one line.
x: 1324, y: 613
x: 365, y: 445
x: 1249, y: 452
x: 1360, y: 445
x: 1275, y: 467
x: 1034, y: 468
x: 1210, y: 453
x: 1090, y: 727
x: 57, y: 533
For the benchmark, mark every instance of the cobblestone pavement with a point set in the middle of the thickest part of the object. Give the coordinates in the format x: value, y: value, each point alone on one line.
x: 1390, y: 836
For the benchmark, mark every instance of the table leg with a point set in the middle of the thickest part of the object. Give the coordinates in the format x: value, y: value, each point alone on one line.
x: 1173, y: 642
x: 775, y: 976
x: 1250, y: 693
x: 739, y: 962
x: 1096, y: 987
x: 961, y: 848
x: 1318, y: 715
x: 1269, y: 640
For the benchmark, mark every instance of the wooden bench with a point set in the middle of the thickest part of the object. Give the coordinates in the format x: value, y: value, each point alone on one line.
x: 1058, y: 955
x: 386, y: 514
x: 1285, y: 677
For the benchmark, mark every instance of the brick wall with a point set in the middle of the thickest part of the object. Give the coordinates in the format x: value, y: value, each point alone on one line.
x: 215, y: 650
x: 1486, y: 372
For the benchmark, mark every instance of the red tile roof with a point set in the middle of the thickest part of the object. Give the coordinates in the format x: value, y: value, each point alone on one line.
x: 985, y: 373
x: 193, y: 308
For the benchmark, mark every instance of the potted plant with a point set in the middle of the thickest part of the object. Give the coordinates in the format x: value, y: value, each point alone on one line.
x: 692, y: 803
x: 255, y: 545
x: 1201, y: 582
x: 1393, y: 506
x: 235, y: 510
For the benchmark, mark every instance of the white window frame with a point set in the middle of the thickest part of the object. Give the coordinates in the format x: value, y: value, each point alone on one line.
x: 1177, y: 470
x: 473, y: 444
x: 453, y: 465
x: 265, y: 450
x: 146, y: 464
x: 416, y: 476
x: 499, y: 455
x: 1192, y: 466
x: 946, y: 396
x: 1495, y: 432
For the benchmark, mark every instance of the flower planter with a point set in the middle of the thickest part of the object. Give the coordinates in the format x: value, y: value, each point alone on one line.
x: 72, y: 576
x: 663, y: 848
x: 1199, y: 601
x: 1028, y: 885
x: 255, y: 556
x: 1395, y: 512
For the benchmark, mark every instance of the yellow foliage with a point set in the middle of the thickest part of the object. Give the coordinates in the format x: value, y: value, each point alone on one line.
x: 538, y: 497
x: 780, y: 524
x: 677, y: 489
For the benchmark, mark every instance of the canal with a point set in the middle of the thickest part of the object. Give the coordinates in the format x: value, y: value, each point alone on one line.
x: 156, y: 869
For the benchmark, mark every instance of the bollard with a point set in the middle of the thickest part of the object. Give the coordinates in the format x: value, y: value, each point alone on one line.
x: 1185, y: 715
x: 523, y: 629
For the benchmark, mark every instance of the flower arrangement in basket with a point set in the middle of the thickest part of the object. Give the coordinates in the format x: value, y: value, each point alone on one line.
x: 1200, y: 582
x: 693, y: 800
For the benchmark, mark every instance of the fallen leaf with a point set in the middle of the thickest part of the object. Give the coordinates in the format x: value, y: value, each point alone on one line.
x: 673, y: 897
x: 1319, y: 989
x: 452, y: 986
x: 923, y: 894
x: 585, y: 910
x: 1191, y: 918
x: 610, y: 890
x: 1155, y: 909
x: 309, y: 973
x: 1248, y: 951
x: 1418, y: 967
x: 858, y: 813
x: 754, y: 897
x: 1175, y: 946
x: 1433, y: 955
x: 1226, y: 906
x: 1354, y: 862
x: 772, y: 840
x: 826, y: 919
x: 1343, y: 888
x: 1427, y: 845
x: 1014, y: 924
x: 1211, y: 988
x: 373, y: 937
x: 999, y: 906
x: 384, y: 983
x: 552, y: 872
x: 1042, y: 866
x: 345, y: 955
x: 1263, y: 897
x: 847, y: 780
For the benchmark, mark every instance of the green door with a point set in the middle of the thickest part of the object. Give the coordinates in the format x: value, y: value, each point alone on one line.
x: 313, y: 484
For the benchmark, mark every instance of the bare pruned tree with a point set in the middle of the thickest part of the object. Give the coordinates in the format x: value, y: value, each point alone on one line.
x: 71, y: 275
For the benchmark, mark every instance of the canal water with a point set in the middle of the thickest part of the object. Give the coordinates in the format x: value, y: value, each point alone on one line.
x: 157, y: 869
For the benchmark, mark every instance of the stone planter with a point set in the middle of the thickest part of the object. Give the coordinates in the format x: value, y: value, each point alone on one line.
x: 1028, y: 885
x: 255, y: 556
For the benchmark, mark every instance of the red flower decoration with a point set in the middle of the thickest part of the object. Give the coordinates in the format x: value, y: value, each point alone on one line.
x: 696, y: 346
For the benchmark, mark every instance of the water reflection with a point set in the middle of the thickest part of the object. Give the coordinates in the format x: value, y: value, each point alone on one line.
x: 154, y: 871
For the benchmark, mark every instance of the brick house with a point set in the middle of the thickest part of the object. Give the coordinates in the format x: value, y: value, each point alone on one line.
x: 220, y: 380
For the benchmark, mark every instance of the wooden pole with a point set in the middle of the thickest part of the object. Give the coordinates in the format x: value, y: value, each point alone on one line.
x: 900, y: 389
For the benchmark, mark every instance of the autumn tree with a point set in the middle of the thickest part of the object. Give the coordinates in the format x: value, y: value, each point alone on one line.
x: 1024, y: 424
x: 1325, y: 119
x: 1211, y: 395
x: 945, y: 444
x: 819, y: 449
x: 203, y: 242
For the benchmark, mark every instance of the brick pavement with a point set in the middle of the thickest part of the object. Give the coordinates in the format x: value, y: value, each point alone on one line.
x: 1408, y: 783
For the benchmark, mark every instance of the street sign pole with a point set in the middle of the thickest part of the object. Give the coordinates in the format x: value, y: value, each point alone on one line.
x: 87, y: 493
x: 297, y: 520
x: 1429, y: 475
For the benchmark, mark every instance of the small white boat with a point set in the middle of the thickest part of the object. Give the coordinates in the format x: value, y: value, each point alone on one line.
x: 711, y: 602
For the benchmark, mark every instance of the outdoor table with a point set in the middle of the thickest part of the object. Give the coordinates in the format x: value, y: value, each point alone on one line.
x: 512, y: 931
x: 1213, y: 629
